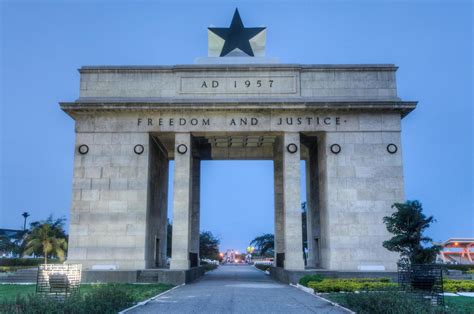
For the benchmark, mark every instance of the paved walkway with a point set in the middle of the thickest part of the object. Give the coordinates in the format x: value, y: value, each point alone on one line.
x: 237, y: 289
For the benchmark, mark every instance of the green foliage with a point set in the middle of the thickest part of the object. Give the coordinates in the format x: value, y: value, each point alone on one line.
x: 314, y: 278
x: 264, y: 244
x: 408, y: 224
x: 209, y: 267
x: 262, y: 267
x: 24, y: 261
x: 464, y: 268
x: 169, y: 238
x: 351, y: 285
x: 47, y: 238
x: 304, y: 214
x: 107, y: 299
x: 10, y: 242
x: 102, y: 298
x: 454, y: 286
x: 390, y: 302
x: 208, y: 245
x: 459, y: 304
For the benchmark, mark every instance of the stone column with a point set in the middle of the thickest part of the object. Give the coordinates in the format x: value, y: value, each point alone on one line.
x: 182, y: 202
x: 292, y: 203
x: 195, y: 211
x: 278, y: 193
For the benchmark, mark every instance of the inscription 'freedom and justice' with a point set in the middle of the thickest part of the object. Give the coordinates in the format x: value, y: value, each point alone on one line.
x: 243, y: 121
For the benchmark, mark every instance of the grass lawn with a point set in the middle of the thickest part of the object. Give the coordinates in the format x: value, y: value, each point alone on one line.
x: 457, y: 304
x: 140, y: 292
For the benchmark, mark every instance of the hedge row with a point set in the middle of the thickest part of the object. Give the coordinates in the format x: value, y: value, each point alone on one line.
x: 104, y: 300
x: 378, y: 284
x: 351, y: 285
x: 25, y: 261
x: 463, y: 267
x: 262, y: 267
x: 318, y: 278
x: 458, y: 285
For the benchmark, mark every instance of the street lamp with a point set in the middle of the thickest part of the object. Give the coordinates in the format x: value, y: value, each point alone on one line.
x: 25, y: 215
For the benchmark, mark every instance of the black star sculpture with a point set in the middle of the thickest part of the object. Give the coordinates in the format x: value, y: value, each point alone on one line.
x: 236, y: 36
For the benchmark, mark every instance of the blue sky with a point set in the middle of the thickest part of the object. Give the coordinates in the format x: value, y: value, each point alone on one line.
x: 42, y: 43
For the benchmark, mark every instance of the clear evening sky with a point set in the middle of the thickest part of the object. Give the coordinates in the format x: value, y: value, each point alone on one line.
x: 43, y: 43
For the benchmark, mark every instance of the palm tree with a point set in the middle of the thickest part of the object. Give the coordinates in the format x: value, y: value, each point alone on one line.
x: 47, y: 238
x: 265, y: 244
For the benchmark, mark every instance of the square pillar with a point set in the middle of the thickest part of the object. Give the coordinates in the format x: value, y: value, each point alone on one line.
x: 182, y: 202
x: 292, y: 202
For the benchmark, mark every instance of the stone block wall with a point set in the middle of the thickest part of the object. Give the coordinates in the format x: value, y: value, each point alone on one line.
x: 352, y: 82
x: 109, y: 206
x: 358, y: 187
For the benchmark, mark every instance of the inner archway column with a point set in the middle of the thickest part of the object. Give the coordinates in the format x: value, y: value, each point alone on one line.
x: 279, y: 239
x: 292, y: 202
x: 195, y: 209
x: 182, y: 202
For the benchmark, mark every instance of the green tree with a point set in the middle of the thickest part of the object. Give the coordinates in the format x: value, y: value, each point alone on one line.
x: 264, y: 244
x: 47, y: 238
x: 304, y: 215
x: 208, y: 245
x: 169, y: 237
x: 407, y: 224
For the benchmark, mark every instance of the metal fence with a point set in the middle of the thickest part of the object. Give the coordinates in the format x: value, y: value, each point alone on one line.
x: 424, y: 281
x: 58, y: 281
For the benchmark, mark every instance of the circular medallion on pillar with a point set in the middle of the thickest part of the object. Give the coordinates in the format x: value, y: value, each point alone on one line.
x: 292, y: 148
x: 139, y: 149
x: 83, y: 149
x: 335, y: 148
x: 392, y: 148
x: 182, y: 149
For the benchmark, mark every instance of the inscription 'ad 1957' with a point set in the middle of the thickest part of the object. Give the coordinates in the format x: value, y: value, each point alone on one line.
x: 239, y: 85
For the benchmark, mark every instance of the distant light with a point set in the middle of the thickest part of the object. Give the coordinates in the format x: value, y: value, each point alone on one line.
x: 456, y: 243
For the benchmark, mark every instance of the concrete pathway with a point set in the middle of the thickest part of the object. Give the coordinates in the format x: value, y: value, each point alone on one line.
x: 237, y: 289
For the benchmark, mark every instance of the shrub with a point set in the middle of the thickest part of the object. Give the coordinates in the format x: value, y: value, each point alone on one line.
x: 107, y: 299
x: 102, y: 299
x: 384, y: 302
x: 25, y: 261
x: 464, y: 268
x: 454, y: 286
x: 262, y: 267
x: 8, y: 269
x: 307, y: 278
x: 209, y: 267
x: 351, y: 285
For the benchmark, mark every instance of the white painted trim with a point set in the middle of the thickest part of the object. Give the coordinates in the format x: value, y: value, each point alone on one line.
x: 148, y: 300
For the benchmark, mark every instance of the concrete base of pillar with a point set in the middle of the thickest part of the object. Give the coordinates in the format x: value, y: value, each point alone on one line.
x: 179, y: 264
x: 174, y: 277
x: 293, y: 276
